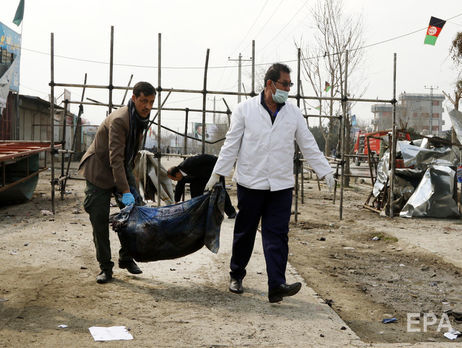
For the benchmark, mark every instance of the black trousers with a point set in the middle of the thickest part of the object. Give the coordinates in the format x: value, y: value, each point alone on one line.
x: 273, y: 208
x: 197, y: 188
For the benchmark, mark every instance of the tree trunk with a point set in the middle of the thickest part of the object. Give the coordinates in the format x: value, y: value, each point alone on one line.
x: 347, y: 150
x: 328, y: 146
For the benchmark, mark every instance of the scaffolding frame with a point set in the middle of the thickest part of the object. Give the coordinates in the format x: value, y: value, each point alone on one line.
x: 344, y: 99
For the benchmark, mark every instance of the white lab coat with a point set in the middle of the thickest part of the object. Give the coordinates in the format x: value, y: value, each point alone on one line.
x: 265, y: 151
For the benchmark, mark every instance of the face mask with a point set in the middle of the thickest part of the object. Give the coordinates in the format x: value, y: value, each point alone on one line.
x: 280, y: 96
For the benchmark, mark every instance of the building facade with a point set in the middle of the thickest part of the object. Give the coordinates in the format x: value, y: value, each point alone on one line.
x: 421, y: 112
x: 27, y: 118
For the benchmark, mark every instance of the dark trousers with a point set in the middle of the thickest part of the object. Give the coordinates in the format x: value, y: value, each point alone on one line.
x: 229, y: 209
x: 97, y: 204
x: 197, y: 189
x: 273, y: 208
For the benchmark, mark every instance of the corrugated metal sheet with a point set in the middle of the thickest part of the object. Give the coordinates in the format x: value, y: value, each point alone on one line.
x: 15, y: 149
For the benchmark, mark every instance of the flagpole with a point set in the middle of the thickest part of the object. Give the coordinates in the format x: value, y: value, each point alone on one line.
x: 17, y: 135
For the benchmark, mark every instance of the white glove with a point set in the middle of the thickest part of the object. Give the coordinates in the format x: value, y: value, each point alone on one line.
x: 330, y: 182
x: 214, y: 178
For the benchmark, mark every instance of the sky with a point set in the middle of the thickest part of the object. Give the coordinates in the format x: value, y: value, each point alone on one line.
x: 188, y: 28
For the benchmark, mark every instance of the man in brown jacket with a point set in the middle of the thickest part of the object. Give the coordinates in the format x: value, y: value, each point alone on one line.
x: 107, y: 167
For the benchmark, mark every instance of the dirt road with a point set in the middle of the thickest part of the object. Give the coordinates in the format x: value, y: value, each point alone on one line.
x: 370, y: 268
x: 48, y: 274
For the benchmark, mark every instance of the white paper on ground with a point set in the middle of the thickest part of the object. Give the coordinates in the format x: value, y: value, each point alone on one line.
x: 112, y: 333
x: 452, y: 334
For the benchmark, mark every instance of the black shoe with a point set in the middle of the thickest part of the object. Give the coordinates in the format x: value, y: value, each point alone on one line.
x: 104, y: 277
x: 232, y: 216
x: 283, y: 290
x: 235, y: 286
x: 130, y: 266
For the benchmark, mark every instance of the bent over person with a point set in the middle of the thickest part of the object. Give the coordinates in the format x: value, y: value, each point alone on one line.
x: 196, y: 171
x: 107, y: 167
x: 261, y: 142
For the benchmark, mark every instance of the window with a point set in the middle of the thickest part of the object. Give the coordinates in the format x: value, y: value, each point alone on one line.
x: 3, y: 57
x: 414, y: 115
x: 436, y: 115
x: 435, y: 102
x: 435, y: 128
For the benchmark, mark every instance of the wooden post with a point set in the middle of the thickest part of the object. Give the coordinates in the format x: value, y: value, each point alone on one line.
x: 52, y: 120
x: 393, y: 142
x: 204, y: 100
x: 159, y: 121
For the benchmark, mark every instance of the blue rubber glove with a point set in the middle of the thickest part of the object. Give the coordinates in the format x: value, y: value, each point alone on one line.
x: 127, y: 198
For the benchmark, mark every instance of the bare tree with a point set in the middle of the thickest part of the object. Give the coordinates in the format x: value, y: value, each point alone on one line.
x: 456, y: 49
x: 456, y: 55
x: 324, y: 60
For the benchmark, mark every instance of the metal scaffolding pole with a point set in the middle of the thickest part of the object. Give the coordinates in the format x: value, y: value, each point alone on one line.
x: 52, y: 119
x: 297, y: 150
x: 204, y: 100
x: 151, y: 122
x: 74, y: 138
x: 344, y: 110
x: 159, y: 109
x: 344, y: 99
x: 185, y: 145
x: 63, y: 147
x: 393, y: 144
x: 111, y: 69
x: 182, y: 90
x: 126, y: 90
x: 252, y: 93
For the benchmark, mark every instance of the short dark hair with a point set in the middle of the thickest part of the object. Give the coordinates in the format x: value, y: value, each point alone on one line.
x: 173, y: 171
x: 143, y: 87
x: 274, y: 72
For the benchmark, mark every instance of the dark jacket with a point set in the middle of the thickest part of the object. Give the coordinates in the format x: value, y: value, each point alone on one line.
x: 198, y: 170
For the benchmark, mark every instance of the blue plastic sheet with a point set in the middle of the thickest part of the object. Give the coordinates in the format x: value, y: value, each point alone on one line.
x: 151, y: 234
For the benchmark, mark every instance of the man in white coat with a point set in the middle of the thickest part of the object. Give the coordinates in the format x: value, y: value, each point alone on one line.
x: 261, y: 140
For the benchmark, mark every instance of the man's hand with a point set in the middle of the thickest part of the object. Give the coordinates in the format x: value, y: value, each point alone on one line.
x: 127, y: 198
x: 214, y: 178
x: 330, y: 182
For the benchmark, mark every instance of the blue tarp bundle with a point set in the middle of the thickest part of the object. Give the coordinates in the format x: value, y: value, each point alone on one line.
x: 173, y: 231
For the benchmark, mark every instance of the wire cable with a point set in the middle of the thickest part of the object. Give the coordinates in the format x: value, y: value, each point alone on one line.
x: 251, y: 27
x: 288, y: 22
x: 232, y: 66
x: 264, y: 25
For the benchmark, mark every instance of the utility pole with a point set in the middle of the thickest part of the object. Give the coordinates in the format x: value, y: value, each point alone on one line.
x: 431, y: 88
x: 239, y: 71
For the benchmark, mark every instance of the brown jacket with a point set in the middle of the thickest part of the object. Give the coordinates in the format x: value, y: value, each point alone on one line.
x: 103, y: 163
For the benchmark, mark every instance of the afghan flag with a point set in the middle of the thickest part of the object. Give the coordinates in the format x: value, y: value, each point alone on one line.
x: 434, y: 29
x: 327, y: 87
